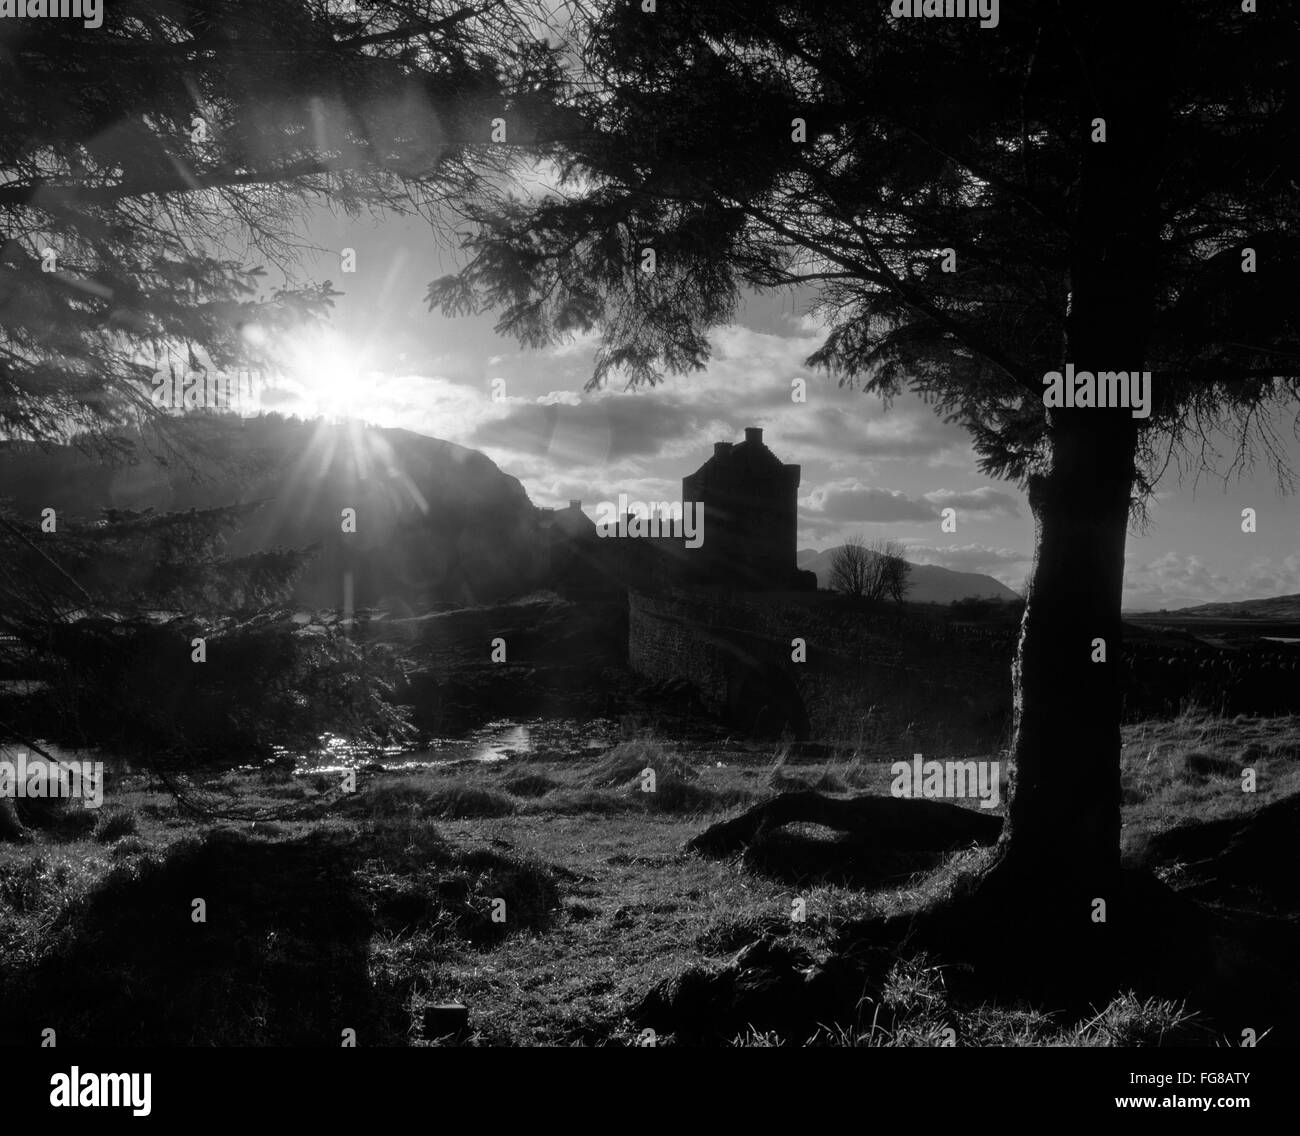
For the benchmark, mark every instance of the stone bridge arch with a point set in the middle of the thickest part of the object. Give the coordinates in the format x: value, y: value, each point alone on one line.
x: 860, y: 673
x: 763, y: 700
x: 740, y: 676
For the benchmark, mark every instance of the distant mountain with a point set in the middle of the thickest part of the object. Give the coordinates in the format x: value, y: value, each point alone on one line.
x: 929, y: 583
x: 1274, y: 607
x: 434, y: 521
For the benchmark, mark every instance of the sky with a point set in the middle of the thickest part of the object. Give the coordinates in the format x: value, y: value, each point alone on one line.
x: 868, y: 470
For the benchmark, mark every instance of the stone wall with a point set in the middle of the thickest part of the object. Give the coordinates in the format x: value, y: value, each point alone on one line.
x: 865, y: 672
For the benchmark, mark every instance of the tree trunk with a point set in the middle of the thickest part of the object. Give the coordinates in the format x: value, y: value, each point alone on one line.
x: 1064, y: 818
x: 1063, y: 825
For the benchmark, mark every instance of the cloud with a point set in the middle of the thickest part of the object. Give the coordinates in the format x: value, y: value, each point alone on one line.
x: 599, y: 428
x: 849, y: 501
x: 1178, y: 579
x: 429, y: 404
x: 1007, y: 564
x: 984, y: 503
x: 864, y: 432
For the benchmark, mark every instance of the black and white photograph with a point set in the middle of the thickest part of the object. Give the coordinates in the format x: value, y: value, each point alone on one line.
x: 649, y: 524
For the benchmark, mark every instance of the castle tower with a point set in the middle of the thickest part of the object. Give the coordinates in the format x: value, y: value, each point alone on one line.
x: 750, y: 501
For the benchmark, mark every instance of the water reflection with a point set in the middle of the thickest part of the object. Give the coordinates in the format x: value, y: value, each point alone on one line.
x: 496, y: 741
x: 552, y: 738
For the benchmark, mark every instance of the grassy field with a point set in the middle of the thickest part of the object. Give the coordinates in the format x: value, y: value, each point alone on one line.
x: 356, y: 910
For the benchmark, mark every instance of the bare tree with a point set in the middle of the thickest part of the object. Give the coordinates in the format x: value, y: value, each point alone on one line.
x: 895, y: 572
x: 854, y: 570
x: 870, y: 571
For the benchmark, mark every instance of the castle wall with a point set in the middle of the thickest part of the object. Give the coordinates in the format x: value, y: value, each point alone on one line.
x: 863, y: 672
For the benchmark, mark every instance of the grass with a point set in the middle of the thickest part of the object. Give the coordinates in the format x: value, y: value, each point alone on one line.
x: 113, y: 824
x: 914, y: 1010
x: 549, y: 896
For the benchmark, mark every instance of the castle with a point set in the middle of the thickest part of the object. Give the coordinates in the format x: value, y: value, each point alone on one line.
x: 749, y: 501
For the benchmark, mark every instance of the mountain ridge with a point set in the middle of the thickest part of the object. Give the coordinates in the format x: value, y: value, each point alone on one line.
x: 434, y: 521
x: 1269, y: 607
x: 929, y: 583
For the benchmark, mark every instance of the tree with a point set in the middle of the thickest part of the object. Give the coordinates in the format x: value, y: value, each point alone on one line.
x: 1094, y: 186
x: 870, y: 571
x: 149, y: 170
x: 853, y: 569
x: 144, y: 165
x: 895, y: 572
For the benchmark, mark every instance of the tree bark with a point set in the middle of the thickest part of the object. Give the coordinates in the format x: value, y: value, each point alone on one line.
x: 1063, y: 820
x: 1063, y: 825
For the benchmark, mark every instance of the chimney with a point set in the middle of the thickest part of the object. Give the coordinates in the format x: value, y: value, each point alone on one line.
x: 575, y: 502
x: 721, y: 449
x: 754, y: 434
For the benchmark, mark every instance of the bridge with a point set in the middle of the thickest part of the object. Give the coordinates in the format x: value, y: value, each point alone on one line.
x: 862, y: 671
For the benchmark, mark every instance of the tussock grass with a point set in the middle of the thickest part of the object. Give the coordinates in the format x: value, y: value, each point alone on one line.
x: 60, y: 818
x: 1128, y: 1021
x: 464, y: 800
x: 127, y: 847
x: 626, y: 760
x: 447, y: 800
x: 1286, y: 750
x: 418, y: 881
x: 529, y: 785
x: 400, y: 799
x: 679, y: 797
x: 830, y: 782
x: 913, y: 1009
x: 582, y: 802
x: 113, y: 824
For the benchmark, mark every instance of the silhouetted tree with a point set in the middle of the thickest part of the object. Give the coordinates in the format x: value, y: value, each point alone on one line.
x: 870, y: 571
x: 853, y: 569
x: 1105, y: 185
x: 148, y: 165
x: 895, y: 571
x: 149, y: 168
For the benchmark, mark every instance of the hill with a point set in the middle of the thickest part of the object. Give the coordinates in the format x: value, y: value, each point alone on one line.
x: 435, y: 522
x: 929, y: 582
x: 1273, y: 607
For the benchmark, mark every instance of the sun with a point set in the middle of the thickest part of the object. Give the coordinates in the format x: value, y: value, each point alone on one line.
x: 333, y: 376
